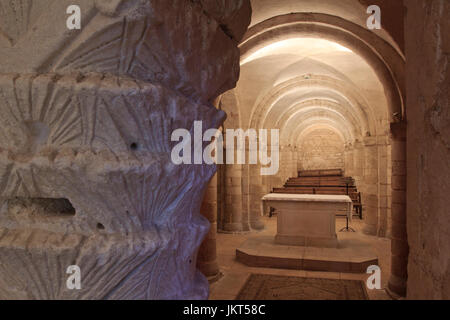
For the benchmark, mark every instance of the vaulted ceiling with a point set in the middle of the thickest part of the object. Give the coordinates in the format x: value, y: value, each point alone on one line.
x: 309, y: 64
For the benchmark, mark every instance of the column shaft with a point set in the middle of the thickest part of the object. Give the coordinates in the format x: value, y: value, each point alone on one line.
x: 207, y: 256
x: 399, y: 245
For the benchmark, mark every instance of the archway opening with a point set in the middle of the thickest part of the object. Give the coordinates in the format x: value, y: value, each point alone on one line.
x: 333, y: 90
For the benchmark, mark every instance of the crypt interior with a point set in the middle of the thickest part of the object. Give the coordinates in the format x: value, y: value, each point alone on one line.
x: 86, y: 177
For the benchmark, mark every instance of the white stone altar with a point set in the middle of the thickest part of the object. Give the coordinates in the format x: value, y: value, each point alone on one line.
x: 307, y: 220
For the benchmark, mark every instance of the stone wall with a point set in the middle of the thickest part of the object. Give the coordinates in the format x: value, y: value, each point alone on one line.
x: 428, y: 148
x: 321, y: 149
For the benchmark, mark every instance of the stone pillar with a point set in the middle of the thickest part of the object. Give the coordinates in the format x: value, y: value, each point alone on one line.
x: 221, y: 196
x: 246, y: 207
x: 358, y: 159
x: 399, y: 242
x: 428, y: 145
x: 256, y: 194
x: 233, y: 217
x: 207, y: 256
x: 383, y: 185
x: 278, y: 179
x: 265, y: 189
x: 86, y: 174
x: 349, y: 162
x: 358, y: 170
x: 389, y: 190
x: 370, y: 186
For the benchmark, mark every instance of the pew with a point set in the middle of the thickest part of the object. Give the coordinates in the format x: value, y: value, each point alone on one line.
x: 320, y: 173
x: 326, y: 182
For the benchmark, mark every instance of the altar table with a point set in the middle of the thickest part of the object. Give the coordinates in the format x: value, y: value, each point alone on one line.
x: 307, y: 220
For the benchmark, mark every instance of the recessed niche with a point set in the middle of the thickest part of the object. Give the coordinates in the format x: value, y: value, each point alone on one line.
x: 41, y: 207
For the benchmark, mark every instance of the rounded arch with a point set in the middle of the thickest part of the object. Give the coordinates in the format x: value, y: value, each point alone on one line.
x: 385, y: 60
x: 343, y: 89
x: 345, y: 111
x: 304, y: 115
x: 339, y: 127
x: 314, y: 127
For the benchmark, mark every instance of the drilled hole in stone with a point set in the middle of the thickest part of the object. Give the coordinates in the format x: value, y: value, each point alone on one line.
x: 134, y: 146
x: 41, y: 207
x: 100, y: 226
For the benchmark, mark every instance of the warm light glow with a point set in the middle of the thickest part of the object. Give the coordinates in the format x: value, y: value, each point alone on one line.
x: 305, y: 47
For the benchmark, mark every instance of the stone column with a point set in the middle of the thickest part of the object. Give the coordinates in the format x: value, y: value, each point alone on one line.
x: 207, y: 256
x: 221, y: 197
x: 358, y: 159
x: 370, y: 186
x: 256, y: 194
x: 399, y: 242
x: 383, y: 185
x: 428, y: 146
x: 389, y: 190
x: 255, y: 190
x: 234, y: 219
x: 358, y: 171
x: 245, y: 194
x: 349, y: 162
x: 87, y: 177
x: 266, y: 188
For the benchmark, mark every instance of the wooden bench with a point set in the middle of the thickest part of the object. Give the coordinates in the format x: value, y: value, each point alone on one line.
x: 317, y: 190
x: 347, y: 188
x: 331, y: 181
x: 325, y: 182
x: 320, y: 173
